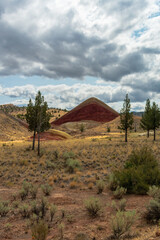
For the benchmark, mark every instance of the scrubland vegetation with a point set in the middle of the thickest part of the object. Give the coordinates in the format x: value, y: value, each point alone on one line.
x: 81, y: 189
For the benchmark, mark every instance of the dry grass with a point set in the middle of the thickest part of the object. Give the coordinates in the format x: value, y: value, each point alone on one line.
x: 98, y: 156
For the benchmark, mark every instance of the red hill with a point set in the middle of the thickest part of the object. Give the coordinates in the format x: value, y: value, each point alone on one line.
x: 91, y: 109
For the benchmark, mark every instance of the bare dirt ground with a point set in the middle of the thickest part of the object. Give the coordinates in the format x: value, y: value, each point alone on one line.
x: 76, y: 218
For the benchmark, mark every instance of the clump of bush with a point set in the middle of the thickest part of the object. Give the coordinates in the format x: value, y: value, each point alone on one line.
x: 120, y: 206
x: 152, y: 213
x: 100, y: 186
x: 119, y: 192
x: 68, y: 155
x: 140, y: 171
x: 53, y: 209
x: 46, y: 188
x: 122, y: 222
x: 39, y: 230
x: 4, y: 208
x: 112, y: 182
x: 93, y: 206
x: 72, y: 164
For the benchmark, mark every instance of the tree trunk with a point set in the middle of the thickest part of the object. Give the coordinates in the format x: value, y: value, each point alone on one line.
x: 147, y: 133
x: 34, y: 135
x: 125, y: 135
x: 154, y: 134
x: 38, y: 144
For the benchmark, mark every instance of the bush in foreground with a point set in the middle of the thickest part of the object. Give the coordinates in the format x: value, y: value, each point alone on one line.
x: 93, y: 206
x: 152, y: 213
x: 139, y: 172
x: 122, y: 223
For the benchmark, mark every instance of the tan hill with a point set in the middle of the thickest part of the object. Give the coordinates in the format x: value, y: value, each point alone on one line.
x: 11, y: 128
x: 90, y: 110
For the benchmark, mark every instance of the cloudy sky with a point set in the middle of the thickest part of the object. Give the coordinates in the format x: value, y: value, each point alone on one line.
x: 73, y: 50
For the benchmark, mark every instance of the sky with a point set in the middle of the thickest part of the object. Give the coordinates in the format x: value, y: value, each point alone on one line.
x: 74, y: 50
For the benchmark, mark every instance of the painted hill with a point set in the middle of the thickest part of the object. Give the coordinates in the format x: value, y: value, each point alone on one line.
x: 91, y: 109
x: 11, y: 128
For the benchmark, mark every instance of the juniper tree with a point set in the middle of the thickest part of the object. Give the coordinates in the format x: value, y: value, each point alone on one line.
x: 37, y: 117
x: 146, y: 118
x: 155, y: 118
x: 31, y: 120
x: 126, y: 117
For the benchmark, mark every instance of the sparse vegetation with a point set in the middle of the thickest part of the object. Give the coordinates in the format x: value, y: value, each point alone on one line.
x: 93, y: 206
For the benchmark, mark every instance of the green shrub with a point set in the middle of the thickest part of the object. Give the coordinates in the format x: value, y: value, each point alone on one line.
x: 122, y: 222
x: 93, y: 206
x: 53, y: 209
x: 26, y: 186
x: 15, y: 204
x: 72, y: 164
x: 108, y: 129
x: 23, y: 194
x: 68, y: 155
x: 82, y: 127
x: 119, y: 192
x: 100, y: 186
x: 112, y: 182
x: 46, y: 188
x: 119, y: 206
x: 33, y: 191
x: 39, y: 230
x: 152, y: 213
x: 24, y: 210
x: 154, y: 192
x: 4, y: 209
x: 139, y: 172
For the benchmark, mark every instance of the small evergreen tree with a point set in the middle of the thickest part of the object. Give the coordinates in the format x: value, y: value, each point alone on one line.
x: 126, y: 117
x: 37, y: 117
x: 31, y: 120
x: 155, y: 118
x: 146, y: 118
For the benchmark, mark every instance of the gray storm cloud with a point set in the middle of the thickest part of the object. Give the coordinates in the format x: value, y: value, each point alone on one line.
x: 82, y: 38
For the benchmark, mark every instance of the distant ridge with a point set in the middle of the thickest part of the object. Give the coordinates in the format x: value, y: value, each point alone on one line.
x: 91, y: 109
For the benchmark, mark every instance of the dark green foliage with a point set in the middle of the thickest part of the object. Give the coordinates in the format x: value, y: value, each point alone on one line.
x: 155, y: 118
x: 126, y: 117
x: 139, y: 172
x: 146, y: 118
x: 82, y: 128
x: 37, y: 117
x: 108, y: 128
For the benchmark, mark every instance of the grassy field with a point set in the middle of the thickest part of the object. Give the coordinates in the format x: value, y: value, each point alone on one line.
x: 95, y: 158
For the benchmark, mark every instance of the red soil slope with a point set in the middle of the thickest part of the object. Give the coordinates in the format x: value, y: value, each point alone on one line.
x: 48, y: 136
x: 91, y: 109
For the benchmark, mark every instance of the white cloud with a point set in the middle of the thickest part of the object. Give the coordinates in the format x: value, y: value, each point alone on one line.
x: 110, y: 40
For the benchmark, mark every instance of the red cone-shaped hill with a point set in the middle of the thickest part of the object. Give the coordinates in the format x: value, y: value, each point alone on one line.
x: 91, y: 109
